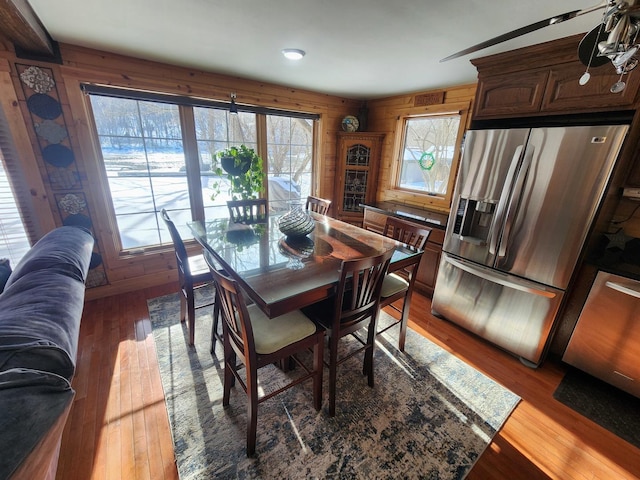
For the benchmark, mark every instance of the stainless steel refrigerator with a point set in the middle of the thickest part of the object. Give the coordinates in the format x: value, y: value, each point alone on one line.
x: 524, y: 202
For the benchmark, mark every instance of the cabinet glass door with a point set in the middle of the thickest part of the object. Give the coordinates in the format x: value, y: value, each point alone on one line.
x: 358, y: 158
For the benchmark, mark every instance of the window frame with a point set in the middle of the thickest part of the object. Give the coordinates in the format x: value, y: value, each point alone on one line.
x: 435, y: 201
x: 185, y: 106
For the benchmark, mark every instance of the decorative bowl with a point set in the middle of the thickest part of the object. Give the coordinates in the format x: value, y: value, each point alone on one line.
x: 296, y: 223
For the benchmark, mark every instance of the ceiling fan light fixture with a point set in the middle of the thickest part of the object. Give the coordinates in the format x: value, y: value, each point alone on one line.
x: 624, y: 57
x: 293, y: 53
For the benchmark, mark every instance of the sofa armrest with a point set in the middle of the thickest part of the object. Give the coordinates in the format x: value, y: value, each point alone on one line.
x: 65, y: 250
x: 34, y: 408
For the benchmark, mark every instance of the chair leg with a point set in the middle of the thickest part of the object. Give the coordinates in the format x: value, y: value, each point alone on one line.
x: 333, y: 359
x: 252, y: 411
x: 368, y: 353
x: 318, y: 351
x: 191, y: 316
x: 214, y: 327
x: 229, y: 378
x: 183, y: 307
x: 404, y: 319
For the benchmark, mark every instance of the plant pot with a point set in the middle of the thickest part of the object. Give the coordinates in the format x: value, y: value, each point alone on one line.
x: 229, y: 166
x: 242, y: 236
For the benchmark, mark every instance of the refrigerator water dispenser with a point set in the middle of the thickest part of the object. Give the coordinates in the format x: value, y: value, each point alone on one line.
x: 473, y: 220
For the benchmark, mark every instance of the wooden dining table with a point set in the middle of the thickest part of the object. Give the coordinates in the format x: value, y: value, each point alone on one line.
x: 281, y: 274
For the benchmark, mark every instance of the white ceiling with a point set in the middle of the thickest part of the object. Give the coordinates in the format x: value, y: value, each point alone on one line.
x: 356, y: 48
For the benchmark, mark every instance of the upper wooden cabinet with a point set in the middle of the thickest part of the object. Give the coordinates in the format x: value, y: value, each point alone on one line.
x: 563, y: 93
x: 358, y: 157
x: 510, y: 94
x: 543, y: 79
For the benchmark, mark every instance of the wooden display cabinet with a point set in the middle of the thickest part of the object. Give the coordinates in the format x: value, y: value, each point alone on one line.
x: 358, y: 157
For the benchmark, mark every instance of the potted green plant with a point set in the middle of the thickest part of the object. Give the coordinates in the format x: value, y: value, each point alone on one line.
x: 243, y: 168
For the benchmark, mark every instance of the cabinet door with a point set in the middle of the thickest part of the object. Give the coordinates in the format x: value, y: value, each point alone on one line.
x: 606, y: 339
x: 357, y: 171
x: 564, y: 93
x: 510, y: 94
x: 428, y: 270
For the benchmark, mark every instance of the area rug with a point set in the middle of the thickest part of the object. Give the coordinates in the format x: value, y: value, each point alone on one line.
x: 430, y: 415
x: 608, y: 406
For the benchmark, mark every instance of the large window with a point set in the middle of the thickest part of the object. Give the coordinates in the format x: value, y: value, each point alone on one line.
x: 429, y: 154
x: 158, y: 154
x: 289, y: 159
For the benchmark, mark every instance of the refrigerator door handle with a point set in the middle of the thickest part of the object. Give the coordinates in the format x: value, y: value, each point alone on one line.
x: 623, y: 289
x: 500, y: 210
x: 514, y: 200
x: 522, y: 285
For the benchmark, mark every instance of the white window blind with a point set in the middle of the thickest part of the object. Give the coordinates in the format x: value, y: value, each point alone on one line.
x: 15, y: 216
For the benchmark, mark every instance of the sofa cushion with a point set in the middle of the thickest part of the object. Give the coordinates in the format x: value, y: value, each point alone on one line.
x: 31, y: 403
x: 65, y: 250
x: 40, y: 322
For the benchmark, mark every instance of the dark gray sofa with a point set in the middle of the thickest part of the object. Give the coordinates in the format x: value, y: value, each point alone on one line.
x: 40, y: 311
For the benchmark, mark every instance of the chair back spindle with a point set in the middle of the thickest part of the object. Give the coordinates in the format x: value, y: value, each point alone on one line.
x: 318, y: 205
x: 248, y: 211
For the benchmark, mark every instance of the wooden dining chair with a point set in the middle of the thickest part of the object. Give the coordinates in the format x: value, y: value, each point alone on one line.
x: 355, y: 306
x: 318, y: 205
x: 257, y: 341
x: 399, y: 285
x: 248, y: 211
x: 193, y: 273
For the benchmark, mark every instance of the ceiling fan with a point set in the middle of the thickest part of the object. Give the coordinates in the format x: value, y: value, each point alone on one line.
x: 614, y: 40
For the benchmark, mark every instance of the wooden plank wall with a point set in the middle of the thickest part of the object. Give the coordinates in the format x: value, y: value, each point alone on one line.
x: 82, y: 65
x: 385, y: 116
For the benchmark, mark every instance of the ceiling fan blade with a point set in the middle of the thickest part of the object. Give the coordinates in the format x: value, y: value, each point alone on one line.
x: 519, y: 32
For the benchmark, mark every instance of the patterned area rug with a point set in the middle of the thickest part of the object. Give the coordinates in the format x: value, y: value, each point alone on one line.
x: 430, y: 415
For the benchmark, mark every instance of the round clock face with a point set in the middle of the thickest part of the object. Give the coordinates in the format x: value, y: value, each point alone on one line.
x: 350, y: 123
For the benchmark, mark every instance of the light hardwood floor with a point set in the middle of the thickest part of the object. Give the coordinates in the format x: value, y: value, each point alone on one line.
x: 118, y: 427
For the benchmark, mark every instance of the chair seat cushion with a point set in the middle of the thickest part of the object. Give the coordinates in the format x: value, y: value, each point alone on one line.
x: 393, y: 284
x: 272, y: 334
x: 198, y: 265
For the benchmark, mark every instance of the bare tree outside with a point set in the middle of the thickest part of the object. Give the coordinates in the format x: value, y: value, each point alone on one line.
x: 147, y: 150
x: 428, y: 153
x: 290, y: 154
x: 289, y: 141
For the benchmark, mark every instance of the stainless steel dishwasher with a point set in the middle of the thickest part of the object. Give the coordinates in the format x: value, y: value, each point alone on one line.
x: 606, y: 340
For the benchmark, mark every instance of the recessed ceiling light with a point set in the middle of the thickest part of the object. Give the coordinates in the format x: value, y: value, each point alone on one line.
x: 293, y: 53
